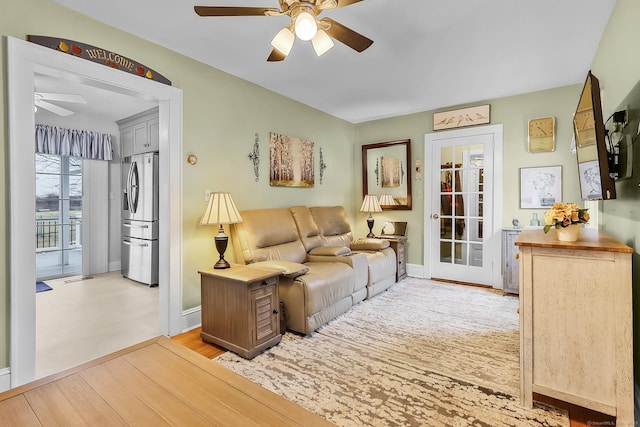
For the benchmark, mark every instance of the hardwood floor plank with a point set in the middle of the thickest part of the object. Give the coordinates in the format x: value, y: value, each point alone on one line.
x: 205, y: 393
x: 123, y: 400
x: 134, y: 385
x: 191, y: 339
x: 70, y: 401
x: 16, y: 412
x: 292, y: 410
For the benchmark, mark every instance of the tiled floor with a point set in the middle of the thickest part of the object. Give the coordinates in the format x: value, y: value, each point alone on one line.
x: 79, y: 320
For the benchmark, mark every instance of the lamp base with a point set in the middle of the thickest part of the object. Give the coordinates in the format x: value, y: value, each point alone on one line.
x: 221, y: 245
x: 370, y: 225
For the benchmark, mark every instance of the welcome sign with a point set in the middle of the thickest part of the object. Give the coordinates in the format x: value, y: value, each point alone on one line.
x: 100, y: 56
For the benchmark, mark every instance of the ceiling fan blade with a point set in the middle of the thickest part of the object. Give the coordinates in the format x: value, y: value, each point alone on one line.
x: 53, y: 108
x: 234, y: 11
x: 347, y: 36
x: 63, y: 97
x: 276, y: 56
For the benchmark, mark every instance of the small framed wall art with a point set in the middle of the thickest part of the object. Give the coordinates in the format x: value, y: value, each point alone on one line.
x: 540, y: 187
x: 472, y: 116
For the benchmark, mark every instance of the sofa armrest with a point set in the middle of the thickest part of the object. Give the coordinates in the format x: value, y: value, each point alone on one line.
x: 330, y: 251
x: 286, y: 268
x: 369, y: 244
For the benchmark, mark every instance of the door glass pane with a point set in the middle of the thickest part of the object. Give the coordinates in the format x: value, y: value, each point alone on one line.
x: 446, y: 230
x: 445, y: 251
x: 460, y: 253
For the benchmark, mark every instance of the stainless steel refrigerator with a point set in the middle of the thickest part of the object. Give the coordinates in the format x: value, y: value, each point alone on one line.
x: 140, y: 218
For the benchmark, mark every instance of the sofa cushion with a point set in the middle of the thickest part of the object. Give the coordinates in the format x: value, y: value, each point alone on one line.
x: 333, y: 223
x: 286, y: 268
x: 307, y: 227
x: 330, y: 251
x: 326, y: 283
x: 267, y: 234
x: 369, y: 244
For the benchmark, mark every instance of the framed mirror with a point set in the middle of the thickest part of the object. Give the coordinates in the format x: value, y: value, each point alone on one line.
x: 386, y: 173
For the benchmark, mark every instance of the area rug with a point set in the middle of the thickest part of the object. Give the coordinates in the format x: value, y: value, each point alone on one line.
x: 423, y: 353
x: 42, y: 287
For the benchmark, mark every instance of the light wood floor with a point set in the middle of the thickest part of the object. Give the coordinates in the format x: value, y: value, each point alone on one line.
x: 80, y: 320
x: 580, y: 417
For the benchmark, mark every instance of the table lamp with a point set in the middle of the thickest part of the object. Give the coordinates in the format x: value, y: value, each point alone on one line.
x: 221, y: 210
x: 370, y: 204
x: 387, y: 200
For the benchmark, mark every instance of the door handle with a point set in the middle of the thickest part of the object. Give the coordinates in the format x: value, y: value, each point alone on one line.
x: 435, y: 216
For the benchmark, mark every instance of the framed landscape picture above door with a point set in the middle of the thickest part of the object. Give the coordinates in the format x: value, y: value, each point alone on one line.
x: 385, y: 172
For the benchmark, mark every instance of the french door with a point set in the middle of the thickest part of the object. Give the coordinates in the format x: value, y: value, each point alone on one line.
x: 460, y: 228
x: 58, y: 216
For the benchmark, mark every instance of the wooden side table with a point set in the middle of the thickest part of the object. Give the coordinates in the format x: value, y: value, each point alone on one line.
x: 240, y: 309
x: 398, y: 246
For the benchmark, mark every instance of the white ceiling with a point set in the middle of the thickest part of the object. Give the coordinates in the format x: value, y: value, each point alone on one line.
x: 427, y: 54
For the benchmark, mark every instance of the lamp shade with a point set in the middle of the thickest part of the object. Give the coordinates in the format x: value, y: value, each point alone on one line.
x: 387, y: 200
x: 370, y: 204
x: 321, y: 42
x: 283, y: 41
x: 220, y: 210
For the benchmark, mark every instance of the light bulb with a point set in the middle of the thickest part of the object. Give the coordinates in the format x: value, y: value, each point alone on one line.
x: 306, y: 26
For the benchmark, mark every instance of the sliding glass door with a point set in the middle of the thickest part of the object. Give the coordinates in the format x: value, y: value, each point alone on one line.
x: 58, y: 216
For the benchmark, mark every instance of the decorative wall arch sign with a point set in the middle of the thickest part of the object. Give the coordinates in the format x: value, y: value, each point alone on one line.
x: 99, y: 56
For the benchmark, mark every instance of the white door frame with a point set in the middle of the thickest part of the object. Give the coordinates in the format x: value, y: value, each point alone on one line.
x: 495, y: 245
x: 24, y: 60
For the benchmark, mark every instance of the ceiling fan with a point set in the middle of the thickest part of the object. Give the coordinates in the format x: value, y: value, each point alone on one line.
x: 304, y: 24
x: 40, y: 99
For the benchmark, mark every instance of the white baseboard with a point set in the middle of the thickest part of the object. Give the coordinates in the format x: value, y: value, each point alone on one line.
x: 191, y: 319
x: 115, y: 266
x: 415, y: 270
x: 5, y: 379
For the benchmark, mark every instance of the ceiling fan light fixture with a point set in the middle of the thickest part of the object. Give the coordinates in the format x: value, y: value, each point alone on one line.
x: 306, y: 26
x: 283, y: 41
x: 321, y: 42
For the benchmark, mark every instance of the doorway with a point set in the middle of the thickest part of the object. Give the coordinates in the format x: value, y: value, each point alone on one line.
x: 463, y: 212
x: 24, y: 61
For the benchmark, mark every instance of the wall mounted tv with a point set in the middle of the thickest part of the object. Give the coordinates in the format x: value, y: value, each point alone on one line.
x: 591, y: 149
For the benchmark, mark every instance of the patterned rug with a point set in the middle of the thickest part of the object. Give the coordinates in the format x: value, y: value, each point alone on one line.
x: 423, y: 353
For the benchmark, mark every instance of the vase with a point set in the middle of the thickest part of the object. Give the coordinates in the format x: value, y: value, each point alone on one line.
x: 569, y: 233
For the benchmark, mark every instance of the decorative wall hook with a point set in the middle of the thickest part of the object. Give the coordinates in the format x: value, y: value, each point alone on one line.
x: 192, y: 159
x: 254, y: 156
x: 323, y: 166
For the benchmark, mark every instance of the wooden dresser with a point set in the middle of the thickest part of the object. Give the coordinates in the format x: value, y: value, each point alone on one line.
x: 576, y: 341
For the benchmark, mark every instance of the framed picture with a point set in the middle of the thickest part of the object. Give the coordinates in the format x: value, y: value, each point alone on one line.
x: 291, y: 161
x: 463, y: 117
x: 385, y: 172
x: 540, y: 187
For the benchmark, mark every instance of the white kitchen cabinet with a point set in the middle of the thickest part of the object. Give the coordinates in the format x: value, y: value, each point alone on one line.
x: 140, y: 133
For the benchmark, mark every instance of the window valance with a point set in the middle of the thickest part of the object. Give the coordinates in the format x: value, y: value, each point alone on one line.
x: 73, y: 142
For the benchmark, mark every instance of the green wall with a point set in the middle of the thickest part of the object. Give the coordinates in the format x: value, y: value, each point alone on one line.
x: 617, y: 66
x: 222, y: 114
x: 513, y: 113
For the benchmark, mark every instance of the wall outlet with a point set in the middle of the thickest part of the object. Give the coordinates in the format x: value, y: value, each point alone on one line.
x: 207, y: 195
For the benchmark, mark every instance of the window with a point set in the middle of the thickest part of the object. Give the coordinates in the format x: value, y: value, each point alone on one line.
x: 58, y: 214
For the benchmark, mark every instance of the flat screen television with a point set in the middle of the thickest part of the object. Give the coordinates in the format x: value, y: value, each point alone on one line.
x: 591, y: 146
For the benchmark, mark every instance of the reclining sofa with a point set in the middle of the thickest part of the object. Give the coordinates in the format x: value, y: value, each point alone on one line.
x: 323, y: 271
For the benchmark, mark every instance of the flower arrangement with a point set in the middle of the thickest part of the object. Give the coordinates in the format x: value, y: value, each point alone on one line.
x: 563, y: 215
